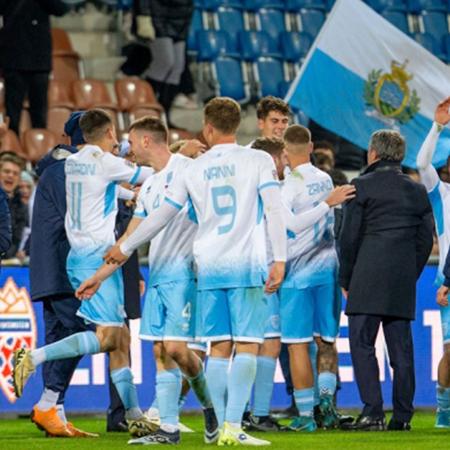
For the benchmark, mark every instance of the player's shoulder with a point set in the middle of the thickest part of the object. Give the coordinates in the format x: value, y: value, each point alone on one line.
x: 256, y: 156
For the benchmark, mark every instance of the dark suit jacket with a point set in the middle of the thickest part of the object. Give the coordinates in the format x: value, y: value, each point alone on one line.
x: 386, y: 239
x: 5, y: 224
x: 25, y: 40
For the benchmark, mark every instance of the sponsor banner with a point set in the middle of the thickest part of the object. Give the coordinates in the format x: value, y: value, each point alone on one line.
x: 21, y: 324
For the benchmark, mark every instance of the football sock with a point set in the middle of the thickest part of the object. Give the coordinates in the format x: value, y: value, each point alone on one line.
x: 77, y: 344
x: 265, y: 371
x: 61, y: 413
x: 200, y: 387
x: 304, y: 399
x: 168, y: 389
x: 313, y: 357
x: 48, y: 399
x: 123, y: 381
x: 327, y: 383
x: 216, y: 376
x: 443, y: 398
x: 240, y: 383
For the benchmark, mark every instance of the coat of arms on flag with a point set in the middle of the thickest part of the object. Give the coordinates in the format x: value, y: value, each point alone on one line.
x: 17, y: 330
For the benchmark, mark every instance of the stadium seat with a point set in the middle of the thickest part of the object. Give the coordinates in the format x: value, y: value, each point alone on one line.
x: 297, y: 5
x: 294, y: 45
x: 398, y: 19
x: 311, y: 21
x: 272, y: 21
x: 196, y: 25
x: 428, y: 41
x: 213, y: 5
x: 269, y: 75
x: 255, y: 5
x: 65, y: 68
x: 435, y: 23
x: 254, y: 44
x: 446, y: 49
x: 57, y: 116
x: 11, y: 143
x: 59, y: 94
x: 37, y: 142
x: 230, y: 79
x: 433, y: 5
x: 134, y: 93
x: 61, y: 44
x: 232, y: 21
x: 387, y: 5
x: 212, y: 43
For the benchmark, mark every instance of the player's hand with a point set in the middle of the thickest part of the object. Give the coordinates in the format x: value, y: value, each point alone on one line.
x: 340, y: 195
x: 145, y: 29
x: 115, y: 256
x: 88, y: 288
x: 192, y: 148
x: 442, y: 296
x: 344, y: 293
x: 141, y: 287
x: 276, y: 277
x: 442, y: 114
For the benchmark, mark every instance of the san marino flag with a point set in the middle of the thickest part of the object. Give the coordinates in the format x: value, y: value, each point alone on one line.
x: 363, y: 74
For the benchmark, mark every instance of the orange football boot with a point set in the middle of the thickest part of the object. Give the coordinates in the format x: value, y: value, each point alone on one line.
x: 80, y: 433
x: 50, y: 422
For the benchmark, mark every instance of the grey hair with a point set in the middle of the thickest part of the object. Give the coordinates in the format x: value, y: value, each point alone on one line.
x: 389, y: 145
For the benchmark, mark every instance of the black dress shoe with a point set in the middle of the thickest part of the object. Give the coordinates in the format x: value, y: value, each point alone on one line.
x: 398, y: 425
x: 365, y: 423
x: 119, y: 427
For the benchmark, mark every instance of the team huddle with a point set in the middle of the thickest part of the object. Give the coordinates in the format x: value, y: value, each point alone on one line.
x: 242, y: 257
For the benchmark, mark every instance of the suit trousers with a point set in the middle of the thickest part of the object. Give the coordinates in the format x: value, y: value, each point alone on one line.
x: 363, y: 331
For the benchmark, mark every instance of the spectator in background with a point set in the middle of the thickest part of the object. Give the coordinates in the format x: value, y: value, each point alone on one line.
x: 25, y: 56
x: 27, y: 190
x: 10, y: 170
x: 5, y: 224
x: 324, y: 151
x: 171, y: 20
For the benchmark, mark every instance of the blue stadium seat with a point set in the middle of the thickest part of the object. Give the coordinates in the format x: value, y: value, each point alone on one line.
x: 297, y: 5
x: 433, y: 5
x: 230, y: 20
x: 446, y: 48
x: 230, y: 79
x: 294, y: 45
x: 397, y: 19
x: 254, y: 44
x: 196, y: 25
x: 214, y: 5
x: 198, y: 4
x: 270, y: 76
x: 387, y: 5
x: 428, y: 41
x: 272, y: 21
x: 255, y: 5
x: 413, y: 6
x: 312, y: 21
x: 213, y: 43
x: 435, y: 23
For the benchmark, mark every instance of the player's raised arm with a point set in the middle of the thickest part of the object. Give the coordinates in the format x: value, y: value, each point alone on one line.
x: 428, y: 173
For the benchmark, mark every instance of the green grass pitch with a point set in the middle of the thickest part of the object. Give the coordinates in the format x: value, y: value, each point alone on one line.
x: 21, y: 434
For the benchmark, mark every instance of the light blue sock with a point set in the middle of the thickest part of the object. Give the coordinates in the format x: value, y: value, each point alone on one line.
x: 200, y: 387
x: 168, y: 389
x: 240, y: 383
x: 217, y: 376
x: 123, y: 381
x: 84, y: 343
x: 327, y: 383
x: 313, y: 357
x: 443, y: 398
x: 304, y: 399
x: 265, y: 371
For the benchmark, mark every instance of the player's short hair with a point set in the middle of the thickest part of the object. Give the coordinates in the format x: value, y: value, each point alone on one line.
x: 176, y: 146
x: 273, y: 146
x: 297, y: 135
x: 10, y: 157
x: 94, y: 124
x: 271, y: 103
x: 224, y: 114
x: 324, y: 145
x: 153, y: 125
x: 388, y: 144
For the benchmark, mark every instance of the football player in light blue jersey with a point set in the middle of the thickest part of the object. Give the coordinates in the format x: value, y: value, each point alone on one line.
x: 439, y: 195
x: 231, y: 189
x: 168, y: 315
x: 309, y: 292
x: 92, y: 175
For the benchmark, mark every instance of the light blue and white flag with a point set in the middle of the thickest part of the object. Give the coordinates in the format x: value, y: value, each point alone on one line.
x: 363, y: 74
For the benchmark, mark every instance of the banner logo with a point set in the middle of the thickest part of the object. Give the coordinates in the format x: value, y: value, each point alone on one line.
x: 17, y: 330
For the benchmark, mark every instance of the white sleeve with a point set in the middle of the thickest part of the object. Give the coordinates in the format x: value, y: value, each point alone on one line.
x: 149, y: 228
x: 140, y: 210
x: 428, y: 174
x: 125, y: 194
x: 302, y: 221
x: 119, y: 169
x: 276, y: 227
x: 176, y: 193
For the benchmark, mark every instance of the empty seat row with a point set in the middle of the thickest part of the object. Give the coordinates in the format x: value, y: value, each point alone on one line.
x: 254, y: 5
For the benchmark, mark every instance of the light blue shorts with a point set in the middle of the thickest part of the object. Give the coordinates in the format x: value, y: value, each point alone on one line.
x: 237, y: 314
x: 309, y: 312
x: 106, y: 306
x: 169, y: 312
x: 445, y: 322
x: 273, y: 329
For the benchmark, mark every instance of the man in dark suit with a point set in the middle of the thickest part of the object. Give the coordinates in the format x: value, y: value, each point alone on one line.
x: 386, y: 239
x: 26, y: 56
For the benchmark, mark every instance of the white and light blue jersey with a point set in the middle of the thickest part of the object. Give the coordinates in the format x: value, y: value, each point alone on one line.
x: 224, y: 186
x: 311, y: 257
x: 170, y: 255
x: 92, y: 178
